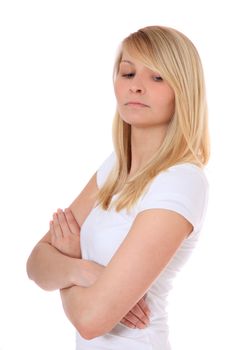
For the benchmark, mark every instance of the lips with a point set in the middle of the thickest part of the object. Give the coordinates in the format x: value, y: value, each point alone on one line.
x: 136, y: 104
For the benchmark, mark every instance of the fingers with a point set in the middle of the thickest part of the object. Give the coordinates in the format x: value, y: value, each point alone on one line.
x: 63, y: 224
x: 55, y: 227
x: 52, y: 231
x: 127, y: 323
x: 138, y: 316
x: 133, y: 321
x: 138, y: 312
x: 144, y: 307
x: 64, y: 227
x: 73, y: 225
x: 59, y: 227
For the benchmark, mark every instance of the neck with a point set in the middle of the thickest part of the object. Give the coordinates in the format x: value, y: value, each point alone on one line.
x: 144, y: 143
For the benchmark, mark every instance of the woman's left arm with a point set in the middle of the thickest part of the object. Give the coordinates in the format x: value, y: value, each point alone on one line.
x: 153, y: 239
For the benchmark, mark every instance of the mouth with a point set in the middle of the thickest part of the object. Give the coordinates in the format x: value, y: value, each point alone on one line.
x: 135, y: 104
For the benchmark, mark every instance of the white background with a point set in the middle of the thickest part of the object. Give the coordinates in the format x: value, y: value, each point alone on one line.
x: 56, y: 109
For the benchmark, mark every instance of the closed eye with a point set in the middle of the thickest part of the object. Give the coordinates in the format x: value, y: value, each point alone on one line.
x: 128, y: 75
x: 157, y: 78
x: 131, y: 75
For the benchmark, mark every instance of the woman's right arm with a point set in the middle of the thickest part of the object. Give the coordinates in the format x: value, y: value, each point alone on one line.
x: 52, y: 269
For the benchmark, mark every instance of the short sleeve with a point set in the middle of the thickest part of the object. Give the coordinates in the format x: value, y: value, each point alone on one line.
x: 182, y: 188
x: 105, y: 169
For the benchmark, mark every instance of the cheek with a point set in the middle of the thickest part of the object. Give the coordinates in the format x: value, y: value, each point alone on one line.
x: 119, y: 90
x: 164, y: 106
x: 116, y: 88
x: 171, y: 103
x: 169, y: 109
x: 168, y: 101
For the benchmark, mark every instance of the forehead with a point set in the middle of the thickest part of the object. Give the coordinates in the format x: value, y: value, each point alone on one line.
x: 129, y: 59
x: 126, y: 56
x: 135, y: 58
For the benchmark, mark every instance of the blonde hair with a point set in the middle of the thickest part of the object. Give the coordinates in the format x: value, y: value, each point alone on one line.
x: 173, y: 55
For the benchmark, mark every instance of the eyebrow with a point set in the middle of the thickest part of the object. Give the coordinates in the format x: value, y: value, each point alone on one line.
x: 127, y: 61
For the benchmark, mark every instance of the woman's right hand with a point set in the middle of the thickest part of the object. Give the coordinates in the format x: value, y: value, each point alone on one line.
x: 138, y: 316
x: 65, y: 233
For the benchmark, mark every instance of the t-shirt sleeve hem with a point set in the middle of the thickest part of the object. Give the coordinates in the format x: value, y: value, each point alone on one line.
x: 173, y: 206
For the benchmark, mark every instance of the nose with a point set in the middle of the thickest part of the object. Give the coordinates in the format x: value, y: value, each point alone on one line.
x: 137, y: 87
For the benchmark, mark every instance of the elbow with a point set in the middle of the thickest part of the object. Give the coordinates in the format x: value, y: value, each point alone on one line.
x: 90, y: 328
x: 45, y: 285
x: 33, y: 262
x: 88, y: 332
x: 90, y: 317
x: 29, y: 267
x: 32, y: 271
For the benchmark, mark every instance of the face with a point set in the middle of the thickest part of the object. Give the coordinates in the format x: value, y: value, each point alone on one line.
x: 144, y: 99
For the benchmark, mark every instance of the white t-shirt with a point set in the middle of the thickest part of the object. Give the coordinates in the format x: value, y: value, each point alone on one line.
x: 182, y: 188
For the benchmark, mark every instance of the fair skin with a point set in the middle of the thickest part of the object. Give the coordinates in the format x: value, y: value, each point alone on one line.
x: 55, y: 262
x: 64, y: 234
x: 155, y: 235
x: 149, y: 121
x: 52, y: 269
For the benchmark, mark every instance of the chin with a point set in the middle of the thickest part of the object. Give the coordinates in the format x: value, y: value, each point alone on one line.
x: 132, y: 119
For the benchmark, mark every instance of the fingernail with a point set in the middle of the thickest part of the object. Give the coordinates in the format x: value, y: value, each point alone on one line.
x: 141, y: 325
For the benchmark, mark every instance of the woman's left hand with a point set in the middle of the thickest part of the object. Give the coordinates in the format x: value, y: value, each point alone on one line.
x: 65, y: 233
x: 138, y: 316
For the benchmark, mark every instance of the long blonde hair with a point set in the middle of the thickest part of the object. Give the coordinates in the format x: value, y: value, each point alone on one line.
x: 170, y: 53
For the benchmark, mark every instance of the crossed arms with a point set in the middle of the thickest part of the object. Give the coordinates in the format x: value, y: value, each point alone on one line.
x: 95, y: 298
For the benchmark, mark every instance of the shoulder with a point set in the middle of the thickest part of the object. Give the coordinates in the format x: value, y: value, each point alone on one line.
x: 186, y: 170
x: 189, y: 171
x: 105, y: 169
x: 182, y: 188
x: 180, y: 178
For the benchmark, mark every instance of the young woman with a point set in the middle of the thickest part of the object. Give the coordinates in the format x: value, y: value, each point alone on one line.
x: 115, y: 251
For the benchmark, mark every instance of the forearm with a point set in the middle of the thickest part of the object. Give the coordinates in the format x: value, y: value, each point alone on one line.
x: 53, y: 270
